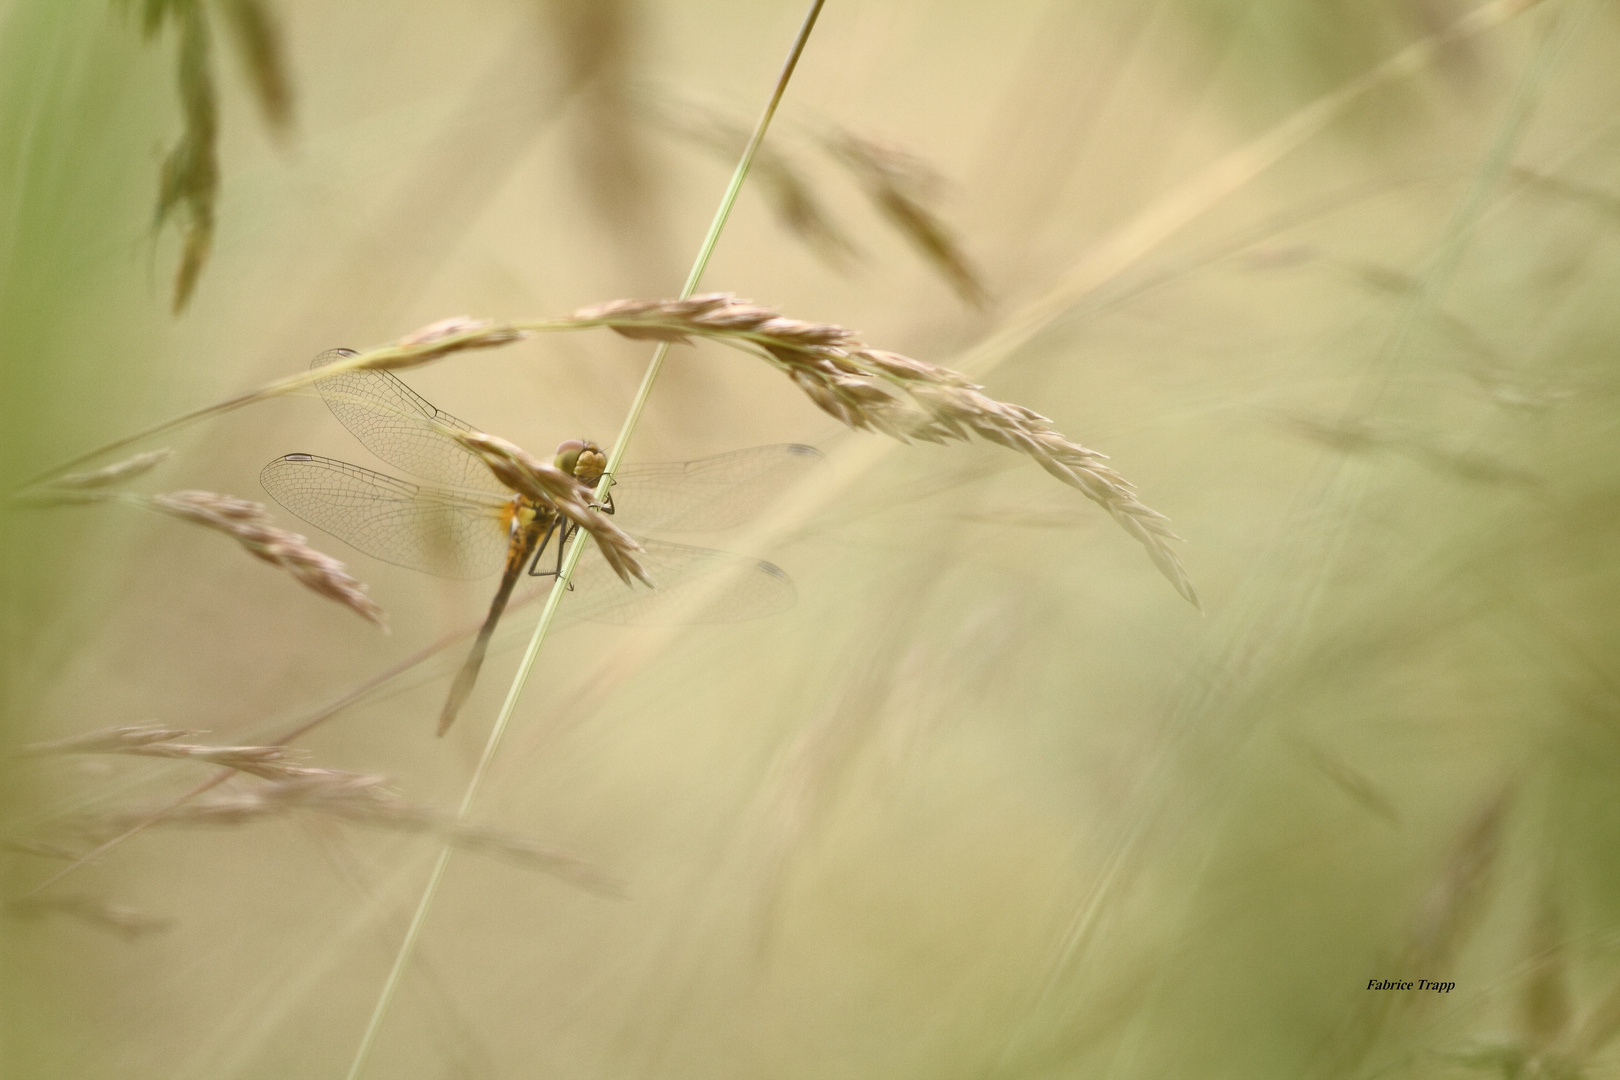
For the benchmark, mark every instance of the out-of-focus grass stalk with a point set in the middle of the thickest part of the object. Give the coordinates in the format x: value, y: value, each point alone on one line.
x: 1158, y: 223
x: 1435, y: 279
x: 576, y: 548
x: 1167, y: 215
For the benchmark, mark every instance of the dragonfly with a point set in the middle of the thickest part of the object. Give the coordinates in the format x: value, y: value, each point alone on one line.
x: 464, y: 524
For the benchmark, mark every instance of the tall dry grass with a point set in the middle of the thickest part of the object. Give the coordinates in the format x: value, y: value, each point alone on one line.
x: 1329, y: 283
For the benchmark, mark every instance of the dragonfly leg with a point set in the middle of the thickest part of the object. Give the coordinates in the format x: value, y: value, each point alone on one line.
x: 540, y: 549
x: 562, y: 542
x: 567, y: 534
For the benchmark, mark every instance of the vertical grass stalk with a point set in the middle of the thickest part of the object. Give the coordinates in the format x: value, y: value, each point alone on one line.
x: 408, y: 945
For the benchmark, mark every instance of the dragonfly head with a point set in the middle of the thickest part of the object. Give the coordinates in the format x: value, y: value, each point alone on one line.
x: 582, y: 460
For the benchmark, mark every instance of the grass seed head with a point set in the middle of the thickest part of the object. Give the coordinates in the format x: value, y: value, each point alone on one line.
x: 791, y: 194
x: 190, y: 175
x: 110, y: 740
x: 250, y: 526
x: 113, y: 740
x: 902, y: 186
x: 111, y: 475
x: 434, y: 341
x: 875, y: 390
x: 364, y: 799
x: 258, y: 40
x: 93, y: 486
x: 597, y: 47
x: 268, y: 762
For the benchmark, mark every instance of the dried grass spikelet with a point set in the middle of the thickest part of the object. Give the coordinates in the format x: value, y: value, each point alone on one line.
x: 902, y: 185
x: 870, y: 389
x: 596, y: 42
x: 311, y: 788
x: 113, y: 740
x: 189, y: 180
x: 1352, y: 781
x: 1358, y: 437
x: 1456, y: 901
x: 116, y: 473
x: 792, y: 198
x: 489, y: 840
x: 190, y: 175
x: 433, y: 341
x: 126, y: 922
x: 545, y: 484
x: 267, y: 762
x: 258, y: 41
x: 250, y: 526
x: 1545, y: 1009
x: 365, y: 799
x: 78, y: 488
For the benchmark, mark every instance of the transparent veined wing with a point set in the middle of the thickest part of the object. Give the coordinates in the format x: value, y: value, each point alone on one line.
x: 694, y: 585
x: 397, y: 424
x: 442, y: 532
x: 718, y: 492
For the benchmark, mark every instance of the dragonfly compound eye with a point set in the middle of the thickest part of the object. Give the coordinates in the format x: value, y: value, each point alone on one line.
x: 568, y: 452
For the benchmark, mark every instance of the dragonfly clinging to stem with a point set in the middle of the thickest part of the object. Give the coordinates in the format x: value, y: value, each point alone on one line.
x: 466, y: 525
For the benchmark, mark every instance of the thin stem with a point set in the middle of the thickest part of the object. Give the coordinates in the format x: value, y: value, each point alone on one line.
x: 309, y: 723
x: 384, y: 356
x: 560, y: 587
x: 134, y: 830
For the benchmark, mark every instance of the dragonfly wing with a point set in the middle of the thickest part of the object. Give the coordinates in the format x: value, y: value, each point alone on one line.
x: 424, y: 528
x: 397, y: 424
x: 717, y: 492
x: 695, y: 585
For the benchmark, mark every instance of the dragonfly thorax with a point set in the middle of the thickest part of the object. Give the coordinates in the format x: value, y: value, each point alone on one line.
x: 519, y: 513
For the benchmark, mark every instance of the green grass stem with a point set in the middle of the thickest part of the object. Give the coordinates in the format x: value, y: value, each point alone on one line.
x: 492, y: 745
